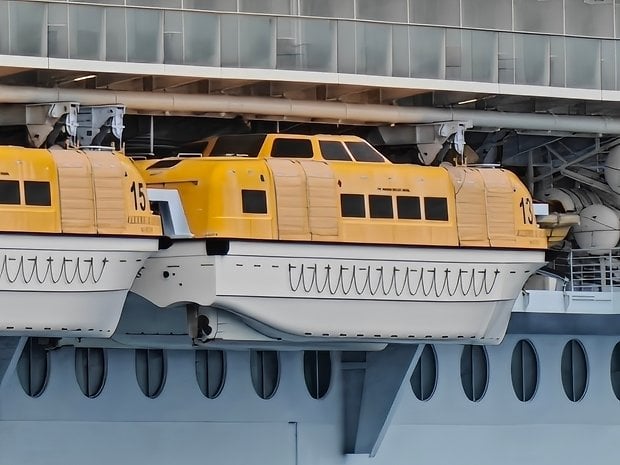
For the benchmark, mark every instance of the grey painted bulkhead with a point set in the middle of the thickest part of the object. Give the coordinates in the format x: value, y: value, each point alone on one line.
x: 122, y: 425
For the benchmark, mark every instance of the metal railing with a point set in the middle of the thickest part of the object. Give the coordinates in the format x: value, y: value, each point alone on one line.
x: 590, y: 270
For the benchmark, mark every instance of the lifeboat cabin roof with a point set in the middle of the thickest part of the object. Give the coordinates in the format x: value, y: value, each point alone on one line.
x: 318, y: 147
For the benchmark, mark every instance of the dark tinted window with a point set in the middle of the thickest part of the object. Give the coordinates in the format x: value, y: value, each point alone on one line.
x: 408, y: 208
x: 436, y: 208
x: 474, y: 372
x: 380, y: 206
x: 254, y: 201
x: 292, y: 148
x: 361, y: 151
x: 265, y: 372
x: 352, y: 205
x: 9, y: 192
x: 317, y: 372
x: 151, y: 371
x: 33, y: 368
x: 424, y: 378
x: 574, y: 370
x: 334, y: 150
x: 164, y: 164
x: 37, y: 193
x: 90, y: 370
x: 243, y: 145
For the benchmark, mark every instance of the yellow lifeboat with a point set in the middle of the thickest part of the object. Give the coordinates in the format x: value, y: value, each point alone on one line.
x: 75, y: 227
x: 320, y: 237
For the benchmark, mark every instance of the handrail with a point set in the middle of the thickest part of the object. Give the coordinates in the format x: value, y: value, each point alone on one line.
x: 592, y: 270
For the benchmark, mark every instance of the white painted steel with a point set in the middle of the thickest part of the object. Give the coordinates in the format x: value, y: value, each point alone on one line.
x: 295, y: 290
x: 66, y: 286
x: 612, y: 169
x: 171, y: 212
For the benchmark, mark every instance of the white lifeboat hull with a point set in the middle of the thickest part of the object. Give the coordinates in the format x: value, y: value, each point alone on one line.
x: 67, y: 286
x: 300, y: 290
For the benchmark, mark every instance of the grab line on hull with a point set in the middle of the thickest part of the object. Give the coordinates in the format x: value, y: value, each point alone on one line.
x: 380, y: 281
x: 34, y: 272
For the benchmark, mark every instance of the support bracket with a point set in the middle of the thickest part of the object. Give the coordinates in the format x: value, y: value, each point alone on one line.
x: 96, y: 122
x: 386, y: 378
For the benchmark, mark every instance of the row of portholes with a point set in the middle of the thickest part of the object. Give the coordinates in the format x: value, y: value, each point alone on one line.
x: 150, y: 365
x: 523, y: 367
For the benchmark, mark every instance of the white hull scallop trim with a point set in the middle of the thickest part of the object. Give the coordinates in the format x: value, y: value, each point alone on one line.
x: 301, y: 290
x: 62, y: 286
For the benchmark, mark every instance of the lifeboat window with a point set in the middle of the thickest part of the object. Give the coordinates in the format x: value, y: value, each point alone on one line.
x: 9, y: 192
x: 292, y: 148
x: 380, y: 206
x: 352, y: 205
x: 436, y: 208
x: 247, y: 145
x: 253, y: 201
x: 363, y: 151
x: 37, y: 193
x: 408, y: 208
x: 163, y: 164
x: 334, y: 150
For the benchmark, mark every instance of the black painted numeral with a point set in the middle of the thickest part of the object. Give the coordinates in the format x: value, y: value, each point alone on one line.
x: 139, y: 195
x: 526, y: 210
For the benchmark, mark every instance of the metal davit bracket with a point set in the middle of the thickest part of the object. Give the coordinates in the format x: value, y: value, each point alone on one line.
x: 46, y: 123
x: 95, y: 123
x: 457, y: 130
x: 429, y: 138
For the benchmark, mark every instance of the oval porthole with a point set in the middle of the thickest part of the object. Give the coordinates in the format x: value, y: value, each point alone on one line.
x: 615, y: 370
x: 317, y: 372
x: 210, y: 372
x: 424, y: 377
x: 33, y: 368
x: 574, y: 367
x: 265, y: 372
x: 474, y: 372
x: 524, y: 370
x: 150, y: 371
x: 90, y: 370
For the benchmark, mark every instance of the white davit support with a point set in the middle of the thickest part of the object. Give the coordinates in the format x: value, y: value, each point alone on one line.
x: 170, y: 209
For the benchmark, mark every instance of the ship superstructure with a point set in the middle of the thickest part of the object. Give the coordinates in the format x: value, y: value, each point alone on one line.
x: 527, y: 89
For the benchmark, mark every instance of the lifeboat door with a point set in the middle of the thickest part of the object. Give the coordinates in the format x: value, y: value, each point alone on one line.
x: 471, y: 213
x: 501, y: 220
x: 77, y: 195
x: 289, y: 180
x: 323, y: 206
x: 110, y: 192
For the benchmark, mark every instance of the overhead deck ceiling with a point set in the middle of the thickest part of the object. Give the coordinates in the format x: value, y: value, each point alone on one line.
x: 345, y: 93
x: 547, y: 151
